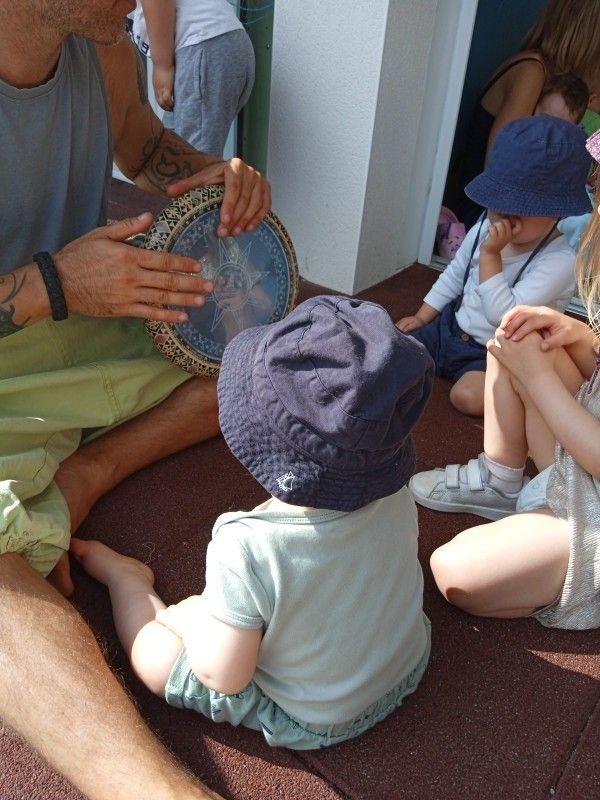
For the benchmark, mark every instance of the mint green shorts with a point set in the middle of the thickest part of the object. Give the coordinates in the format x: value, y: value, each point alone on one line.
x: 61, y: 384
x: 253, y: 709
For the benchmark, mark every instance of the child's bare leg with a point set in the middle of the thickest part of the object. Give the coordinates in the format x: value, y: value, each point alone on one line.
x: 504, y: 422
x: 466, y: 395
x: 513, y: 426
x: 152, y: 648
x: 507, y: 568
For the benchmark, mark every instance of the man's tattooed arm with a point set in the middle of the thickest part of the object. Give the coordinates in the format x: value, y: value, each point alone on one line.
x: 145, y: 152
x: 168, y: 158
x: 10, y: 286
x: 165, y: 157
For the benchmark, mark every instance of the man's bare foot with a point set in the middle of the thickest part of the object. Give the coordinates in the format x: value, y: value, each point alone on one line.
x: 60, y: 577
x: 106, y: 565
x: 78, y: 480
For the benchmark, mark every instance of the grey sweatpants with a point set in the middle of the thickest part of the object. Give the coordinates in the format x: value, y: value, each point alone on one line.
x: 213, y: 81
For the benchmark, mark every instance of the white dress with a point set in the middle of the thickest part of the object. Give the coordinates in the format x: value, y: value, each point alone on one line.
x: 574, y: 495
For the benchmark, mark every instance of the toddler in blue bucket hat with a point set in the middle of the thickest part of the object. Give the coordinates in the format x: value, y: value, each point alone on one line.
x: 311, y: 627
x: 514, y: 255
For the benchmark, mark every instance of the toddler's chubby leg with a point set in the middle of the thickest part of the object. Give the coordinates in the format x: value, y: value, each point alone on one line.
x: 152, y: 648
x: 467, y: 394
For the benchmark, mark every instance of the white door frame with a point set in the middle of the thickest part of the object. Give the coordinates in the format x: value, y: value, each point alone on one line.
x: 449, y: 55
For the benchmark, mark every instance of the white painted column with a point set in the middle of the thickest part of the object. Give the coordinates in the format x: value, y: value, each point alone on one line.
x: 347, y: 88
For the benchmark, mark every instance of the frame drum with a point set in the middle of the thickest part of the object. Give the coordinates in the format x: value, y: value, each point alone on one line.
x: 255, y: 278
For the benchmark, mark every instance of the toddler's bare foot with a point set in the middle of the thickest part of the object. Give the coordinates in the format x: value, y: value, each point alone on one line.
x: 106, y: 565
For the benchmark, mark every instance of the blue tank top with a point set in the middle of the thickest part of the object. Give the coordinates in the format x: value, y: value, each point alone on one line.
x: 56, y: 157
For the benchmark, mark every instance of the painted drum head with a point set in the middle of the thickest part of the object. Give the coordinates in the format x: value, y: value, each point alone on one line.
x: 255, y: 278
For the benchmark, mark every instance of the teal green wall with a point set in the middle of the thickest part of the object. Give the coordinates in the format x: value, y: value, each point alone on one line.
x: 253, y: 122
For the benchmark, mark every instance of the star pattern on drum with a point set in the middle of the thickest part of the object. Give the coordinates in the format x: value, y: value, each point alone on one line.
x: 234, y: 283
x: 255, y: 278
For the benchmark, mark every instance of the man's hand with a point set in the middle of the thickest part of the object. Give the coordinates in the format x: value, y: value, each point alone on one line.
x: 102, y: 276
x: 163, y: 79
x: 247, y: 195
x: 500, y: 233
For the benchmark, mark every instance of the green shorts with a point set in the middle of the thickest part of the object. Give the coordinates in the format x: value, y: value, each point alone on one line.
x: 253, y: 709
x: 62, y: 383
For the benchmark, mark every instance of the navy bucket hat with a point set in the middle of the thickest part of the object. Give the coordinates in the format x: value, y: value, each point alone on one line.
x: 319, y: 406
x: 537, y: 168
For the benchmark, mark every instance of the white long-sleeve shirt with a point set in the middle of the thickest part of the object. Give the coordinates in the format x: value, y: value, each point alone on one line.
x: 549, y: 280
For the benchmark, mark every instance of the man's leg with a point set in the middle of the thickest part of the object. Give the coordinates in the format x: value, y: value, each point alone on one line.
x: 57, y: 691
x: 187, y: 416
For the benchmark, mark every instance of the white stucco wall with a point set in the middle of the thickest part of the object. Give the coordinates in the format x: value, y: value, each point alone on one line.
x: 346, y: 99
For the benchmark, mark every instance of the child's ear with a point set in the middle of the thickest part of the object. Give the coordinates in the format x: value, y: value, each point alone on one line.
x: 594, y: 102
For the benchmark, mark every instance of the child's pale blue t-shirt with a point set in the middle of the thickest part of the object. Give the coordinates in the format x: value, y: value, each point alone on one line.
x: 339, y: 596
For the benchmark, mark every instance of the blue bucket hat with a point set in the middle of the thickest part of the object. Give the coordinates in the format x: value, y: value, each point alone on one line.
x: 537, y: 168
x: 319, y: 405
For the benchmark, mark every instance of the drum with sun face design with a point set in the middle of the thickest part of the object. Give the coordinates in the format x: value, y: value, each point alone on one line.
x: 255, y: 278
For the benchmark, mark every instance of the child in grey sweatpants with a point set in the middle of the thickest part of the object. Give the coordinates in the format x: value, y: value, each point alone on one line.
x: 203, y: 66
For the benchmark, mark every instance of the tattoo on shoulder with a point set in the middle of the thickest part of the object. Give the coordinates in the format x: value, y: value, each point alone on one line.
x: 10, y: 286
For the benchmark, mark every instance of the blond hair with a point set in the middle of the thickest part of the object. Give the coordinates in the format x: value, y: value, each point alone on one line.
x: 587, y: 268
x: 567, y: 35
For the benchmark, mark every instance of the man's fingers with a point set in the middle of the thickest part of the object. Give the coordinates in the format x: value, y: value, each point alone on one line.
x: 213, y: 174
x: 233, y: 182
x: 124, y: 228
x: 160, y: 261
x: 162, y: 297
x: 264, y: 208
x: 251, y: 207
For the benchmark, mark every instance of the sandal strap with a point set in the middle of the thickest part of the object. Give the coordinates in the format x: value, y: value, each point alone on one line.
x: 452, y: 481
x: 474, y: 478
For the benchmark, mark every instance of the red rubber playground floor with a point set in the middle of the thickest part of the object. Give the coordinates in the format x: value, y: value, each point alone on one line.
x: 506, y: 709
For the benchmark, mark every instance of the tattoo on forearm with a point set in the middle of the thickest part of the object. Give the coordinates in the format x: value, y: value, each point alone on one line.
x: 167, y: 158
x: 10, y: 286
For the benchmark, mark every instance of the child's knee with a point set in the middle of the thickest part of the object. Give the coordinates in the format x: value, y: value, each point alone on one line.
x: 455, y: 577
x: 467, y: 397
x: 153, y: 655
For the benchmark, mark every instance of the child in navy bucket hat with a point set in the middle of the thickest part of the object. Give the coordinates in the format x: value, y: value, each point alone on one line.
x: 311, y: 627
x: 514, y: 255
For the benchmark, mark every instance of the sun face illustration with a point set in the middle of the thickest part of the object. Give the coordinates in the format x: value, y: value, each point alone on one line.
x: 233, y: 282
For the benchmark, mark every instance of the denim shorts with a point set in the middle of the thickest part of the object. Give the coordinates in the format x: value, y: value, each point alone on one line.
x: 253, y: 709
x: 454, y: 351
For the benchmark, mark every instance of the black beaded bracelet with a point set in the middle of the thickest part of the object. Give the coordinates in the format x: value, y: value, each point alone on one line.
x: 58, y: 304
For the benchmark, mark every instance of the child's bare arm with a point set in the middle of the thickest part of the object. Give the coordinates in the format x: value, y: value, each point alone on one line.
x: 222, y: 656
x: 160, y: 23
x: 423, y: 316
x: 558, y: 330
x: 500, y: 233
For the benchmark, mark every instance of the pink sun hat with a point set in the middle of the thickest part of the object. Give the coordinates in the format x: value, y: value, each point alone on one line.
x: 593, y: 146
